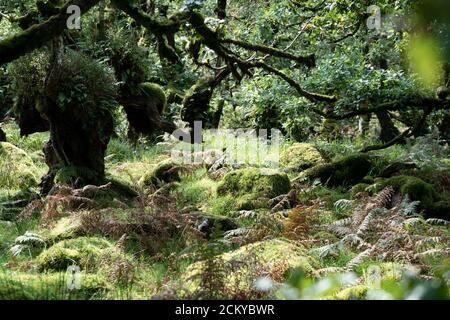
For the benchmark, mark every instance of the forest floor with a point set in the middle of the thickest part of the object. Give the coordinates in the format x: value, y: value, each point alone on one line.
x: 330, y: 223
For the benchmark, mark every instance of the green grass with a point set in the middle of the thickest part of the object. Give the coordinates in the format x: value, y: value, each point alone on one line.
x: 195, y: 189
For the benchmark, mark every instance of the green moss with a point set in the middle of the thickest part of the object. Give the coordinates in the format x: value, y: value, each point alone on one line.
x: 84, y: 252
x: 357, y: 292
x: 368, y: 180
x: 49, y: 286
x: 154, y: 91
x: 17, y: 169
x: 260, y: 183
x: 300, y: 156
x: 237, y: 270
x: 196, y: 102
x: 65, y: 228
x: 438, y: 178
x: 415, y: 188
x: 222, y: 205
x: 164, y: 172
x: 345, y: 172
x: 196, y: 189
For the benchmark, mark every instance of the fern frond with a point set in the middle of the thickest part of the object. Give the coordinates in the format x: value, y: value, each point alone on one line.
x: 17, y: 249
x: 356, y: 261
x: 340, y: 227
x: 29, y: 238
x: 339, y: 230
x: 429, y: 241
x: 413, y: 222
x: 333, y: 248
x: 343, y: 204
x: 409, y: 207
x: 237, y: 233
x: 383, y: 198
x: 365, y: 224
x: 437, y: 222
x: 434, y: 252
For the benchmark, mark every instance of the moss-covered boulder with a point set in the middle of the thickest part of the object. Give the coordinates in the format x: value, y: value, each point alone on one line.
x: 344, y: 172
x: 166, y: 171
x: 238, y: 270
x: 415, y: 188
x: 65, y: 228
x: 17, y: 169
x: 49, y: 286
x: 357, y: 292
x: 434, y: 204
x: 84, y: 252
x: 300, y: 156
x: 440, y: 210
x: 212, y: 225
x: 257, y: 182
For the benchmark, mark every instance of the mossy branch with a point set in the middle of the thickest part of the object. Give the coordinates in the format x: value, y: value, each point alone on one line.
x: 310, y: 60
x: 212, y: 40
x: 387, y: 106
x: 314, y: 97
x: 407, y: 133
x: 154, y: 25
x: 38, y: 35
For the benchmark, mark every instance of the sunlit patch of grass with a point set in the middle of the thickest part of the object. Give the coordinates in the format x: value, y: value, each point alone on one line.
x: 340, y: 259
x: 223, y: 205
x: 196, y: 189
x: 129, y: 162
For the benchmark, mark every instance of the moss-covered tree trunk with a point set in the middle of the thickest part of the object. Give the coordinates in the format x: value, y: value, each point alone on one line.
x: 196, y: 102
x: 78, y: 142
x: 388, y: 129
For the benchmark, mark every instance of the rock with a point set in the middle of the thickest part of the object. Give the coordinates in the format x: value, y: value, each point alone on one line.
x: 49, y: 286
x: 65, y: 228
x: 211, y: 225
x: 238, y: 270
x: 300, y: 156
x: 345, y: 172
x: 85, y: 252
x: 260, y: 183
x: 165, y: 172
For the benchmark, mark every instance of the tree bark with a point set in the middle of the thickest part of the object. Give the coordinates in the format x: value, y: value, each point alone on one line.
x: 2, y: 135
x: 388, y: 129
x: 78, y: 140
